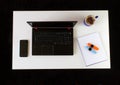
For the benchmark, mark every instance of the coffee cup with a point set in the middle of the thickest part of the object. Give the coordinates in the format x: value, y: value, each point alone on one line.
x: 90, y: 20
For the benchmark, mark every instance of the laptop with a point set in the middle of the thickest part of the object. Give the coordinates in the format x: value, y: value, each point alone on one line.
x: 52, y: 37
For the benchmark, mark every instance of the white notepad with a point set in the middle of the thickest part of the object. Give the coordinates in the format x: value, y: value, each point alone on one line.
x: 92, y: 49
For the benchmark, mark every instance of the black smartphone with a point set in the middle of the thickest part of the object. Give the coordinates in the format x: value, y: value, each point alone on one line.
x: 23, y: 48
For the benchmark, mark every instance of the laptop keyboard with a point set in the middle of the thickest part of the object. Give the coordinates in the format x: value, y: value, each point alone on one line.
x: 55, y: 38
x: 52, y: 41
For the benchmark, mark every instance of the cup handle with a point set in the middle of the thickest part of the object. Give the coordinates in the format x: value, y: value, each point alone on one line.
x: 96, y: 17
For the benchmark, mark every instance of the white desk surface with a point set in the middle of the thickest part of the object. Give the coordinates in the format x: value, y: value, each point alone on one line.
x: 21, y: 30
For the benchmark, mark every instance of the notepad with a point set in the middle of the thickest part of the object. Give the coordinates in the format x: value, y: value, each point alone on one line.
x: 92, y: 49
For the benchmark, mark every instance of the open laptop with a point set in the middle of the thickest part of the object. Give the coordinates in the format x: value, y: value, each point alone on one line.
x: 52, y: 37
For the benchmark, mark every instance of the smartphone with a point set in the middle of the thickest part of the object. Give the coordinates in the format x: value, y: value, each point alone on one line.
x: 23, y: 48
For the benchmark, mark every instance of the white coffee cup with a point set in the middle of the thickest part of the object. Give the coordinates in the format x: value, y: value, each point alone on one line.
x: 90, y: 20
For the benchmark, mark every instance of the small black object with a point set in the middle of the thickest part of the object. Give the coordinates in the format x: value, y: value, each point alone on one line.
x: 23, y: 48
x: 96, y: 16
x: 92, y: 45
x: 90, y: 49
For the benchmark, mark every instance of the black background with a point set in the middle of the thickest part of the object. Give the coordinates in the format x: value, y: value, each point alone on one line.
x: 58, y: 77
